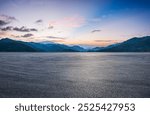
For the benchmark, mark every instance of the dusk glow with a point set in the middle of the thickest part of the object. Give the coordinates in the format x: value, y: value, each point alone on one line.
x: 84, y: 22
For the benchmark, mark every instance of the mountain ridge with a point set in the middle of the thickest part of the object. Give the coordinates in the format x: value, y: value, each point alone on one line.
x: 136, y: 44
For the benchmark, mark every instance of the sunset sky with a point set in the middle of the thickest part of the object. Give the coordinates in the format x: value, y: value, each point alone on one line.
x: 84, y: 22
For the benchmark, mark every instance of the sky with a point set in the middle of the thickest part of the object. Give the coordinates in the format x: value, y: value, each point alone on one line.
x: 82, y: 22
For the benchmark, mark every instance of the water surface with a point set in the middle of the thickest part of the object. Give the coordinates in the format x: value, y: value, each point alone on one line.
x: 75, y: 75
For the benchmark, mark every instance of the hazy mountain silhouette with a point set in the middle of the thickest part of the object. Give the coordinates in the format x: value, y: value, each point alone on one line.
x: 9, y: 45
x: 132, y: 45
x: 78, y: 48
x: 141, y: 44
x: 50, y: 47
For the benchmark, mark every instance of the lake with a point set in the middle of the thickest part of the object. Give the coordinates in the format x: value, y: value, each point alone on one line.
x: 75, y: 75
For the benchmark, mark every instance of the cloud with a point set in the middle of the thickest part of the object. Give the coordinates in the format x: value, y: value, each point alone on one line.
x: 4, y: 20
x: 5, y: 34
x: 106, y: 41
x: 33, y: 29
x: 94, y: 31
x: 57, y: 41
x: 2, y: 23
x: 24, y: 29
x: 50, y: 27
x: 53, y: 37
x: 14, y: 36
x: 5, y: 17
x: 21, y: 29
x: 27, y: 35
x: 39, y: 21
x: 68, y: 22
x: 8, y: 28
x: 2, y: 34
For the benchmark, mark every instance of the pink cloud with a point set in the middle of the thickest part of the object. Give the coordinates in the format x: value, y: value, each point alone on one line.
x: 68, y: 22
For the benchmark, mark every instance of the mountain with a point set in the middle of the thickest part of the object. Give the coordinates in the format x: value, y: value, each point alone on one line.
x: 71, y: 47
x: 86, y: 47
x: 9, y: 45
x: 132, y: 45
x: 46, y: 42
x: 78, y: 48
x: 95, y: 49
x: 141, y: 44
x: 50, y: 47
x: 101, y: 48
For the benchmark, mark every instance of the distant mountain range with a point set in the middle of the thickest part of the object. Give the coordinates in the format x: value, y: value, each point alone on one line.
x: 9, y: 45
x: 132, y: 45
